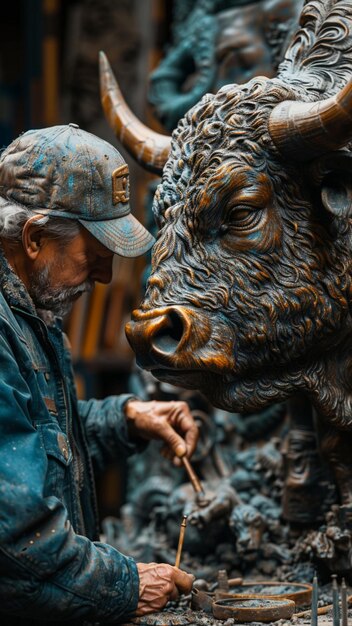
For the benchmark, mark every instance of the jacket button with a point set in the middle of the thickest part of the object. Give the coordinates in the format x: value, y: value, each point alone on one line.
x: 62, y: 441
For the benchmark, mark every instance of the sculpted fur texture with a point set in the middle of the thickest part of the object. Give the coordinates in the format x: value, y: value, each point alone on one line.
x: 248, y: 262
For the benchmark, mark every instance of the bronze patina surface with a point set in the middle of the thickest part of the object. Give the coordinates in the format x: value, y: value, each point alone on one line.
x: 250, y: 293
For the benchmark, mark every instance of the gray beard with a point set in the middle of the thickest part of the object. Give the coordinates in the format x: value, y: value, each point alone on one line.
x: 58, y: 300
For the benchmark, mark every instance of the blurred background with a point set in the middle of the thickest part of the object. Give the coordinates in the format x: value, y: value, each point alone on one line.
x: 49, y: 75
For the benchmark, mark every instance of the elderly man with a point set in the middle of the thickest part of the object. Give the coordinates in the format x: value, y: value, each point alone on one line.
x: 64, y: 213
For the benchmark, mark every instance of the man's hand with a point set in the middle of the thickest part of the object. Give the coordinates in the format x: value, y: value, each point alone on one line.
x: 159, y: 583
x: 170, y: 421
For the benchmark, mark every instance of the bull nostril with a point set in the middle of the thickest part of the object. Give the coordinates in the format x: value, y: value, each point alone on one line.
x: 168, y: 336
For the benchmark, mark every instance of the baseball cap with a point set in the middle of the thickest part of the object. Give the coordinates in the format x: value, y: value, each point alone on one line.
x: 64, y: 171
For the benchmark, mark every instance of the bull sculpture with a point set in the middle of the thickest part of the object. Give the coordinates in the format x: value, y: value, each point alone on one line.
x: 249, y: 299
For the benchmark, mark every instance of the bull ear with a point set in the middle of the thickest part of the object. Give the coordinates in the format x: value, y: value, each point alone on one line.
x: 332, y: 174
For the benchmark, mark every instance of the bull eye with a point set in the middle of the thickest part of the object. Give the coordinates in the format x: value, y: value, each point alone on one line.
x: 241, y: 218
x: 241, y: 214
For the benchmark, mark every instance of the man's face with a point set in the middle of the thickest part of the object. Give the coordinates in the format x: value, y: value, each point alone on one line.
x: 63, y: 271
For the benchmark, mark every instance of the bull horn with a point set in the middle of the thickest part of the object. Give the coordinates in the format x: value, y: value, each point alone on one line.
x: 149, y: 148
x: 306, y: 130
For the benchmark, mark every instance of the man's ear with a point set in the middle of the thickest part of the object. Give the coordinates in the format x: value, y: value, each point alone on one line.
x: 32, y: 237
x: 332, y: 175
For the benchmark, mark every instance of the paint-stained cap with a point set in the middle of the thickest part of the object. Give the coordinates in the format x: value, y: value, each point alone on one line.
x: 64, y: 171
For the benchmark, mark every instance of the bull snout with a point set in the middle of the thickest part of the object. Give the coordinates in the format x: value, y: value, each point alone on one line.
x: 181, y: 338
x: 160, y: 335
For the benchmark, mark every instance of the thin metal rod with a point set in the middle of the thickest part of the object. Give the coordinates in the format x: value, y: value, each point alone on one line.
x: 335, y: 602
x: 196, y: 484
x: 180, y: 541
x: 322, y: 610
x: 344, y: 607
x: 315, y: 602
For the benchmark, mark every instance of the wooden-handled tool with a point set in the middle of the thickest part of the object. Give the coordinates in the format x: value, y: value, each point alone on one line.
x: 196, y: 484
x: 180, y: 541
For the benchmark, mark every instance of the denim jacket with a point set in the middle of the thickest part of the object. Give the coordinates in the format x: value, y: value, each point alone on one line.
x: 52, y: 566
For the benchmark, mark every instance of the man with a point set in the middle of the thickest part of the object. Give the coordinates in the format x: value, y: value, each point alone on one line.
x: 64, y: 212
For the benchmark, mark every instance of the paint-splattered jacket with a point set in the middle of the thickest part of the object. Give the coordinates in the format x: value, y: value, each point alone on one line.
x: 52, y: 566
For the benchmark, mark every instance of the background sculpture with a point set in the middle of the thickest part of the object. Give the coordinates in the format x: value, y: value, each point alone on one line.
x: 250, y: 291
x: 217, y: 42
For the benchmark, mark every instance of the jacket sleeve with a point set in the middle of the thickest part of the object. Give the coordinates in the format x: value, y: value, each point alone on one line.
x: 46, y: 570
x: 106, y: 429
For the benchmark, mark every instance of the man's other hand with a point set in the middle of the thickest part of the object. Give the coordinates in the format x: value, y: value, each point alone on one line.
x: 159, y: 583
x: 170, y: 421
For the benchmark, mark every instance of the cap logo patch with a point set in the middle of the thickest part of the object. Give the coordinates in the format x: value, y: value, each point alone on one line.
x: 120, y: 184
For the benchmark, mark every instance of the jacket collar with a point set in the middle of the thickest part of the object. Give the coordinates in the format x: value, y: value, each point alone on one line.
x: 16, y: 294
x: 13, y: 288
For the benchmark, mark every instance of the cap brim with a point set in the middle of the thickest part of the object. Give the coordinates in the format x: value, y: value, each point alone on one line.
x: 124, y: 235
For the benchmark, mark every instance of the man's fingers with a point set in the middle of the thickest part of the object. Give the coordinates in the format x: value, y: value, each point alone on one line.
x: 183, y: 581
x: 174, y: 595
x: 182, y: 420
x: 158, y: 583
x: 191, y: 438
x: 173, y: 440
x: 170, y: 421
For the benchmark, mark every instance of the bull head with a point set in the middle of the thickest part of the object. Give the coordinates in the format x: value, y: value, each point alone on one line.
x: 249, y: 294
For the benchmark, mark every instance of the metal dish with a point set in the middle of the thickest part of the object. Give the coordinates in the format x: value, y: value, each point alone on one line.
x: 300, y: 593
x: 253, y: 609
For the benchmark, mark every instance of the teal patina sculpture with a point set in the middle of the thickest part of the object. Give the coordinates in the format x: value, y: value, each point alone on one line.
x: 217, y: 42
